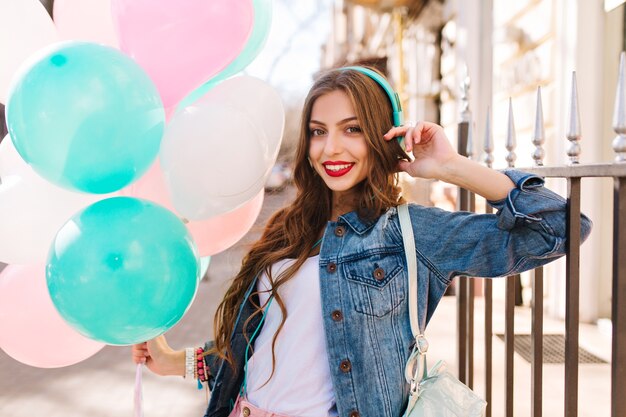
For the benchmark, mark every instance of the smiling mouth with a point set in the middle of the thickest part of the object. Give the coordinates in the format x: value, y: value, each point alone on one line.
x: 338, y: 170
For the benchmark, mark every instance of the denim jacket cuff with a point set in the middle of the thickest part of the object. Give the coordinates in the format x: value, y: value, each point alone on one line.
x: 521, y: 201
x: 212, y: 361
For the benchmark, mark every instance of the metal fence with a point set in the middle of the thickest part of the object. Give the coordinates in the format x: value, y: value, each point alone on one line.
x: 573, y: 173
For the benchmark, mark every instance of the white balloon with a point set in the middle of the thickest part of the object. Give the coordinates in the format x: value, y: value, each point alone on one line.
x: 31, y: 209
x: 214, y: 159
x: 259, y: 101
x: 85, y: 20
x: 25, y: 27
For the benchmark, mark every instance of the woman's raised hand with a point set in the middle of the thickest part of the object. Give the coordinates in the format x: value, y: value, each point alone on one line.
x: 159, y: 357
x: 430, y: 146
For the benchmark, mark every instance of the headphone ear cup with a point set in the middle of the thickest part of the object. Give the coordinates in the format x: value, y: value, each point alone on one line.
x: 396, y: 104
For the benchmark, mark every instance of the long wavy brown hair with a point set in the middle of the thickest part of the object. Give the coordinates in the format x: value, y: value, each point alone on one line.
x: 293, y: 231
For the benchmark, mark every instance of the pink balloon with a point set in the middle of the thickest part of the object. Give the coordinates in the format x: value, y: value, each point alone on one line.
x: 31, y: 330
x: 182, y: 43
x: 220, y: 233
x: 212, y: 235
x: 85, y: 20
x: 151, y: 186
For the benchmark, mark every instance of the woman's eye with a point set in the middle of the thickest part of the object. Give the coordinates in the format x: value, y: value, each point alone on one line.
x: 316, y: 132
x: 353, y: 129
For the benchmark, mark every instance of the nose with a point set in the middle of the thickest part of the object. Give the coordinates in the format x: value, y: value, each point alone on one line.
x: 334, y: 144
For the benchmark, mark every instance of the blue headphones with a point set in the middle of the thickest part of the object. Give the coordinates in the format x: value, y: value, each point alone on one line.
x: 393, y: 96
x: 396, y: 105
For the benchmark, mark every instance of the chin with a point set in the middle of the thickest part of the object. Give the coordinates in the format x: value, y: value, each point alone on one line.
x: 341, y: 187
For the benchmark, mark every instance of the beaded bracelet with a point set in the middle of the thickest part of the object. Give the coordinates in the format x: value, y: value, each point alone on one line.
x: 190, y: 368
x: 201, y: 368
x: 202, y: 371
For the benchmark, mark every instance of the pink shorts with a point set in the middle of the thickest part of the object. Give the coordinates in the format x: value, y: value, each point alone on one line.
x: 244, y: 409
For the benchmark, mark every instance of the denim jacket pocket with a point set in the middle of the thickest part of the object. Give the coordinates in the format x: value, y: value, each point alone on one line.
x: 376, y: 284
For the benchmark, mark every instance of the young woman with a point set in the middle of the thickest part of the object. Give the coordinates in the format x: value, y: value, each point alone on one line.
x: 316, y: 322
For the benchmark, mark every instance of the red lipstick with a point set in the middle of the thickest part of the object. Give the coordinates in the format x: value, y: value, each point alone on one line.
x: 337, y: 168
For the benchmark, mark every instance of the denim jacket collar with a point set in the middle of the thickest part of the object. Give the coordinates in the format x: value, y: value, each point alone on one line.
x: 356, y: 223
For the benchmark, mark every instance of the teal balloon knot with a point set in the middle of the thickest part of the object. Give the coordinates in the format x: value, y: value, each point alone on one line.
x: 114, y: 261
x: 58, y: 60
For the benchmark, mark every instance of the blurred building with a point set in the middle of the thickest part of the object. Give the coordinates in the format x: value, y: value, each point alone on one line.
x: 501, y: 49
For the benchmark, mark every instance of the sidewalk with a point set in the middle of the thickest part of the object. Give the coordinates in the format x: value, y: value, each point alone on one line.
x: 103, y: 385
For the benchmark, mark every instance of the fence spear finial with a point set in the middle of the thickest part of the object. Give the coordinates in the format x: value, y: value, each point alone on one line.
x: 619, y: 112
x: 469, y: 148
x: 488, y: 146
x: 539, y: 135
x: 573, y: 126
x: 466, y: 114
x: 511, y: 141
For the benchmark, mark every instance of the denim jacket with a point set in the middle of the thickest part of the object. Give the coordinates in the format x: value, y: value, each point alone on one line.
x: 363, y: 284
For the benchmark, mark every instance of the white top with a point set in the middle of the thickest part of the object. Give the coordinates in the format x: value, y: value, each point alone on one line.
x: 301, y: 384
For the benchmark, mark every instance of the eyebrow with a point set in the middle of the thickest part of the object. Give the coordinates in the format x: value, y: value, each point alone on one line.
x: 348, y: 119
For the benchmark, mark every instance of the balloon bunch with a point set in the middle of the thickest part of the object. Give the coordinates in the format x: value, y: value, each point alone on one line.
x: 133, y: 155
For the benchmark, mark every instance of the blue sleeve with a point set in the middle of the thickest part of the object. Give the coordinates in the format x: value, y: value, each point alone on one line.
x: 213, y: 362
x: 528, y: 230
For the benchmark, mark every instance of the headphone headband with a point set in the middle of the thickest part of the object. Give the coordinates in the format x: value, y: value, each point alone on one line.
x: 393, y: 96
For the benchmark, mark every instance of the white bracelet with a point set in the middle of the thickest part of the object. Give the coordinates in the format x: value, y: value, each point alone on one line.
x: 190, y: 363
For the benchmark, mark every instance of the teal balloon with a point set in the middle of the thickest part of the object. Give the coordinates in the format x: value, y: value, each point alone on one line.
x: 123, y: 270
x: 256, y: 41
x: 260, y: 31
x: 85, y: 117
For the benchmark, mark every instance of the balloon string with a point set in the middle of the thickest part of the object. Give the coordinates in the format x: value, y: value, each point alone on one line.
x: 138, y: 395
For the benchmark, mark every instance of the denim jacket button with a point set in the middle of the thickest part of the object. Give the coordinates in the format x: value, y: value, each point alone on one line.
x: 345, y: 366
x: 331, y: 267
x: 337, y: 315
x: 340, y: 231
x: 355, y: 414
x: 379, y: 274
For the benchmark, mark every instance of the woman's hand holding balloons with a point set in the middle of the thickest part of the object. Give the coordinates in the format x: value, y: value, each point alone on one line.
x: 159, y: 357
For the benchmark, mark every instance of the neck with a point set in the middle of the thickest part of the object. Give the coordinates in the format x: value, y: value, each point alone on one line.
x: 343, y: 202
